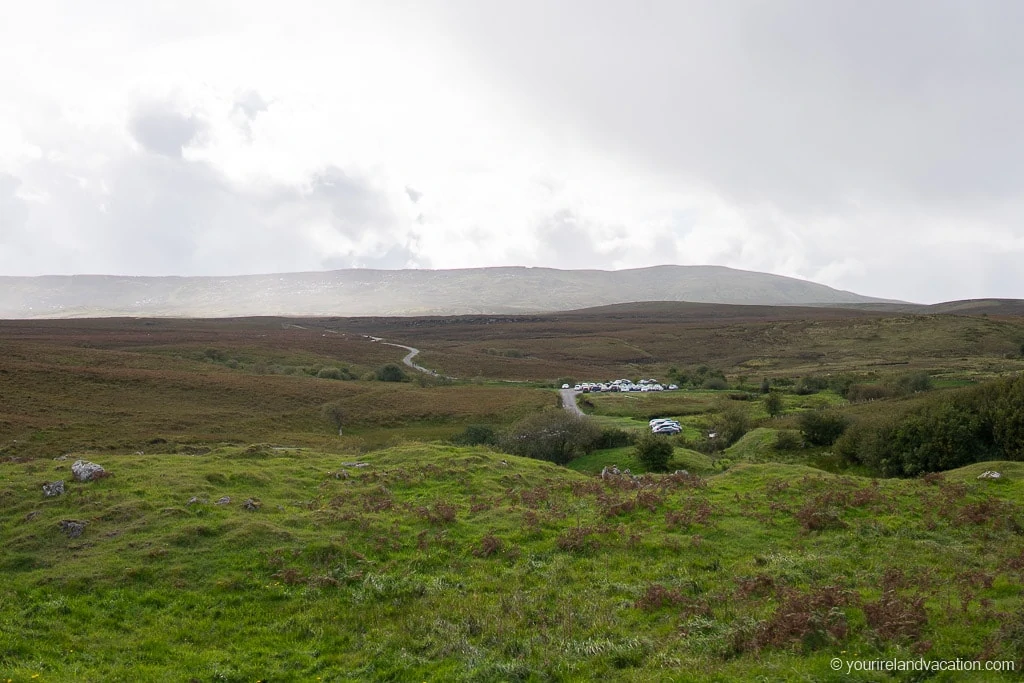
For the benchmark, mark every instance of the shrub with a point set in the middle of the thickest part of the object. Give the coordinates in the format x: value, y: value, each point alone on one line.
x: 329, y: 373
x: 773, y: 403
x: 765, y: 386
x: 787, y: 440
x: 477, y: 435
x: 613, y: 437
x: 732, y: 425
x: 390, y: 373
x: 554, y: 435
x: 716, y: 383
x: 914, y: 382
x: 822, y: 427
x: 653, y: 452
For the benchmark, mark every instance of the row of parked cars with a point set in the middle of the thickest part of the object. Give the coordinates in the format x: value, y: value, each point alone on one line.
x: 622, y: 385
x: 664, y: 425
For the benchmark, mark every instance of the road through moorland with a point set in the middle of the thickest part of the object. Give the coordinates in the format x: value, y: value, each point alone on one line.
x: 569, y: 402
x: 409, y: 356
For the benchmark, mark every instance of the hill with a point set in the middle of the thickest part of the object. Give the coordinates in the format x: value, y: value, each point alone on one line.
x: 359, y: 292
x: 424, y: 562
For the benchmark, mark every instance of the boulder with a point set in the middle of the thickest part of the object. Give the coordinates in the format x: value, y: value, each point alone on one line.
x: 989, y: 474
x: 252, y: 505
x: 72, y: 527
x: 87, y: 471
x: 54, y: 488
x: 223, y: 500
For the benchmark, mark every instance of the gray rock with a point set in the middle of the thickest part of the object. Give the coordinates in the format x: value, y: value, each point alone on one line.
x: 989, y: 474
x: 195, y: 499
x: 72, y: 527
x: 87, y: 471
x: 252, y: 505
x: 54, y: 488
x: 355, y: 464
x: 224, y: 500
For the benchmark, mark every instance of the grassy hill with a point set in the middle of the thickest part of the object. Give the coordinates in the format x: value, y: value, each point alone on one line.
x: 433, y: 562
x: 357, y: 292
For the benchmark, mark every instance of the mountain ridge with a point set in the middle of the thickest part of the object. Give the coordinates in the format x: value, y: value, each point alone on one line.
x: 360, y: 292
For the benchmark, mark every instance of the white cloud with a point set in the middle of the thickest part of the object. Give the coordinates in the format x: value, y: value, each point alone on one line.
x: 802, y: 138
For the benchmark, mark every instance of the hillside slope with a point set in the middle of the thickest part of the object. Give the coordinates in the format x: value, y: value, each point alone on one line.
x: 438, y: 563
x: 401, y: 292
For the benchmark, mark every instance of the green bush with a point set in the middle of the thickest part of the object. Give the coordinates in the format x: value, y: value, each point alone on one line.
x: 733, y: 423
x: 654, y: 452
x: 773, y: 403
x: 787, y: 440
x: 822, y: 427
x: 613, y: 437
x: 477, y: 435
x: 390, y: 373
x: 554, y: 435
x: 716, y: 383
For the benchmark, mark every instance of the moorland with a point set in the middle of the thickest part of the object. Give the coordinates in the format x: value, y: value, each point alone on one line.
x: 386, y: 530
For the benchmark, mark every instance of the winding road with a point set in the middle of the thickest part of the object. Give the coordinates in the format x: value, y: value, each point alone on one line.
x: 569, y: 401
x: 409, y: 356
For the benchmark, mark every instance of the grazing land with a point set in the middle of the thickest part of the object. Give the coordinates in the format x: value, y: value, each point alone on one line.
x: 358, y: 537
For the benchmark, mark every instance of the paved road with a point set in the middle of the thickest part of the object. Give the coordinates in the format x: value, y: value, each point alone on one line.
x: 569, y: 401
x: 408, y: 358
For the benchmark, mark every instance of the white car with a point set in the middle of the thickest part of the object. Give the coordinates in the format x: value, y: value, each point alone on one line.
x: 667, y: 429
x: 672, y: 387
x: 565, y: 386
x: 662, y: 422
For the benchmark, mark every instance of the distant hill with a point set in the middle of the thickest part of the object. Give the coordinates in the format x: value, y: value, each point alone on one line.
x: 359, y: 292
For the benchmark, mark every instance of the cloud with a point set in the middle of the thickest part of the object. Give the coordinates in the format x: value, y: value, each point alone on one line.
x: 162, y: 130
x: 869, y: 145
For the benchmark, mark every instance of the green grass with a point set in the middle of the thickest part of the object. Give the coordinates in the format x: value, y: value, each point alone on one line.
x: 443, y: 563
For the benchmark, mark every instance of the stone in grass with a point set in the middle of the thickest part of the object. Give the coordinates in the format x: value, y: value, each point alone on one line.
x: 252, y: 505
x: 989, y: 474
x: 54, y: 488
x: 194, y: 500
x: 223, y: 500
x: 87, y: 471
x: 72, y: 527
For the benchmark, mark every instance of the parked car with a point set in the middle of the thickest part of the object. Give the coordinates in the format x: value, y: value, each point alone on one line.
x: 672, y: 387
x: 667, y: 429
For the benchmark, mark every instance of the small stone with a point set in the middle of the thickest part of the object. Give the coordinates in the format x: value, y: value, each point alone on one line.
x: 54, y: 488
x: 989, y: 474
x: 195, y: 499
x: 87, y: 471
x: 72, y: 527
x: 223, y: 500
x: 682, y: 472
x: 355, y: 464
x: 252, y: 505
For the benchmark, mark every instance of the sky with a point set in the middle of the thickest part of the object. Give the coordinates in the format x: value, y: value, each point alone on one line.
x: 870, y: 146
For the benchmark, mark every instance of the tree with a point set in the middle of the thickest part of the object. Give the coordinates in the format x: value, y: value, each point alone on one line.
x: 390, y: 373
x: 554, y: 435
x: 654, y: 452
x: 476, y: 435
x: 334, y: 414
x: 773, y: 403
x: 765, y: 386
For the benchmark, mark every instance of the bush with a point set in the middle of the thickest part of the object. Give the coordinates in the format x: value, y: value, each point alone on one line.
x: 914, y: 382
x: 554, y: 435
x: 773, y: 403
x: 716, y: 383
x: 732, y: 425
x: 390, y: 373
x: 476, y: 435
x: 613, y: 437
x: 654, y: 452
x: 787, y: 440
x: 822, y: 427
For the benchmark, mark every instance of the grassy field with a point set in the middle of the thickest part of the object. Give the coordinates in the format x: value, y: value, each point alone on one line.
x: 387, y: 553
x: 461, y: 564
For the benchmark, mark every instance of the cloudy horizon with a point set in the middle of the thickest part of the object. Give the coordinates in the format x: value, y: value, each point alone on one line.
x: 867, y: 146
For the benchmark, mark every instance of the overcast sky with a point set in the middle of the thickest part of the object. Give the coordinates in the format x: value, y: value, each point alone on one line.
x: 874, y: 146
